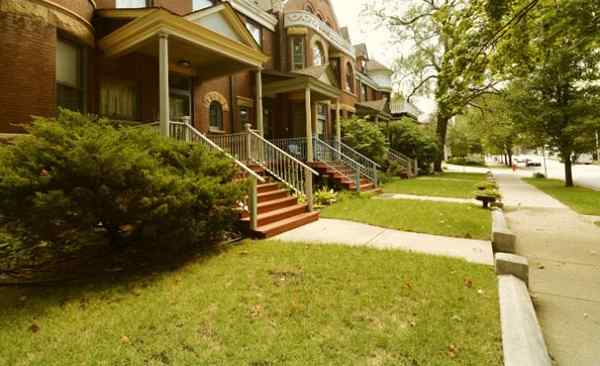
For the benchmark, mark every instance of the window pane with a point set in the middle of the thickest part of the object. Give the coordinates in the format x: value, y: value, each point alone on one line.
x: 255, y: 31
x: 298, y: 53
x: 118, y: 99
x: 216, y: 115
x: 201, y: 4
x: 131, y: 3
x: 317, y: 55
x: 67, y: 64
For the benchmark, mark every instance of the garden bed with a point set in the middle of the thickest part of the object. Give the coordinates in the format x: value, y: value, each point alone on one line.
x: 265, y: 303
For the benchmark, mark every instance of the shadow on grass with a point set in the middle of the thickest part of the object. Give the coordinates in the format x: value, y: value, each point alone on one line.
x: 103, y: 269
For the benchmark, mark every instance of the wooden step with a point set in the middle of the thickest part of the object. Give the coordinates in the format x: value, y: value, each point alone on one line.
x: 272, y: 195
x: 279, y: 215
x: 272, y: 205
x: 288, y: 224
x: 267, y: 187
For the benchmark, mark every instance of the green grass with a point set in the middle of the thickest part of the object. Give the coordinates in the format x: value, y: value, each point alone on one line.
x: 266, y: 303
x: 454, y: 185
x: 438, y: 218
x: 582, y: 200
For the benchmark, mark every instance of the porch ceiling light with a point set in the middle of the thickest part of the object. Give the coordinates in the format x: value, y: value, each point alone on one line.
x: 184, y: 63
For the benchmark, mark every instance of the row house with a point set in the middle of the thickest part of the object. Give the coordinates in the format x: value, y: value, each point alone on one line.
x: 265, y: 81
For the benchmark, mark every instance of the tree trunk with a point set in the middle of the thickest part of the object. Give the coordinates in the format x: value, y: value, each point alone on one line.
x: 442, y: 129
x: 568, y: 171
x: 510, y: 156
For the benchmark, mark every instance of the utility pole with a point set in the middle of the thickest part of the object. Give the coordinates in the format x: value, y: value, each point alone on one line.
x: 597, y: 147
x: 545, y: 165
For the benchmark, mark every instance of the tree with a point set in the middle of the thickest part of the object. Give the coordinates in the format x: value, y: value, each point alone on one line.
x: 556, y: 94
x: 415, y: 141
x: 463, y: 139
x: 364, y: 137
x: 450, y: 46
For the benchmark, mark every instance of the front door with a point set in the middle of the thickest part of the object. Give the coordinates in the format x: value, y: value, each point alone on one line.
x: 180, y: 97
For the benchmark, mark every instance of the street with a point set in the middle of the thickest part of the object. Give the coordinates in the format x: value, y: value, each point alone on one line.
x: 584, y: 175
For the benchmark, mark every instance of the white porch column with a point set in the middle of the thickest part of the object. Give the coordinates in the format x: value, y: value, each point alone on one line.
x: 259, y: 103
x: 309, y: 130
x: 338, y: 123
x: 163, y: 81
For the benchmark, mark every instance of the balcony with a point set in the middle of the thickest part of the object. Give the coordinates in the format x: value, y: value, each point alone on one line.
x: 305, y: 19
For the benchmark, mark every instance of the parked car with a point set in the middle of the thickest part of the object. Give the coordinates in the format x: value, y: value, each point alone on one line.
x: 584, y: 159
x: 532, y: 162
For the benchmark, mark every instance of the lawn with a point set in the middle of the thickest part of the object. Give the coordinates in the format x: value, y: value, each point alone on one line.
x: 582, y: 200
x: 454, y: 185
x: 438, y: 218
x: 265, y: 303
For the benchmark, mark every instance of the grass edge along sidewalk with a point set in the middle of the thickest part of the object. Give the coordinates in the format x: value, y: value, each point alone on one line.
x: 451, y: 185
x: 582, y: 200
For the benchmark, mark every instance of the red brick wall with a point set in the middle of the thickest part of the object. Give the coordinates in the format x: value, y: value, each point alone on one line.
x: 27, y: 77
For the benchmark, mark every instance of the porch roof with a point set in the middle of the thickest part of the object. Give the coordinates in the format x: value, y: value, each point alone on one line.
x: 204, y: 48
x: 281, y: 83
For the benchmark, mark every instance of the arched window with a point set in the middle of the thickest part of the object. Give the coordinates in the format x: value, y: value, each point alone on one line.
x: 215, y: 115
x: 349, y: 78
x: 318, y: 54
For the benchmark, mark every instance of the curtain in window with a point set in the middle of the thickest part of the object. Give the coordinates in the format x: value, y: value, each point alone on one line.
x: 118, y: 99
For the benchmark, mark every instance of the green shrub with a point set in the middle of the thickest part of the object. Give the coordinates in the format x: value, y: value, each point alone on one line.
x: 365, y: 137
x: 77, y: 180
x: 396, y: 169
x: 465, y: 162
x: 415, y: 141
x: 325, y: 197
x: 539, y: 175
x: 485, y: 185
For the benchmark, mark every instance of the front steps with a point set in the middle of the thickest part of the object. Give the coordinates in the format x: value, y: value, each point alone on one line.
x: 341, y: 175
x: 278, y: 212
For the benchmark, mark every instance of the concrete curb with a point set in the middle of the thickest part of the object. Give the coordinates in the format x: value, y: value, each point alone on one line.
x: 522, y: 339
x: 510, y: 264
x: 503, y: 240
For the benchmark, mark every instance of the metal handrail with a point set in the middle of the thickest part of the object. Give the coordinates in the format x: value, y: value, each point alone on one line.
x: 269, y: 143
x: 192, y: 135
x: 359, y: 157
x: 403, y: 160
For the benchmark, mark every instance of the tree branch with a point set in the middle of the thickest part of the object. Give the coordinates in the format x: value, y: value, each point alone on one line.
x: 416, y: 88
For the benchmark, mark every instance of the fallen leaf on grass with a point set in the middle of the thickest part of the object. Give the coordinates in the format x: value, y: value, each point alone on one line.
x: 124, y: 339
x: 34, y: 328
x: 468, y: 283
x: 452, y: 351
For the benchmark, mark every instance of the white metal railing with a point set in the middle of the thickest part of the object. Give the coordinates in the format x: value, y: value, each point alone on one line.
x: 368, y: 166
x: 335, y: 158
x: 251, y: 147
x: 409, y: 164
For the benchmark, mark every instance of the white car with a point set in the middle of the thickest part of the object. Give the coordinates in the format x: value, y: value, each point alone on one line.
x: 584, y: 159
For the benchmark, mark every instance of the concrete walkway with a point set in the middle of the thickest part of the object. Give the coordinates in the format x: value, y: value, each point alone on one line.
x: 563, y: 249
x: 328, y: 231
x: 400, y: 196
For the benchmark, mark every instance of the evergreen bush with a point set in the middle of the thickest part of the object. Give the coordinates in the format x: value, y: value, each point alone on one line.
x: 365, y: 137
x: 76, y: 179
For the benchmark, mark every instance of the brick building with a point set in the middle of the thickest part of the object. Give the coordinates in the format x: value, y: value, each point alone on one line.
x: 102, y: 57
x: 205, y: 70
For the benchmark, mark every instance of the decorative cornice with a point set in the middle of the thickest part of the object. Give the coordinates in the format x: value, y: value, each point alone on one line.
x: 302, y: 18
x: 214, y: 96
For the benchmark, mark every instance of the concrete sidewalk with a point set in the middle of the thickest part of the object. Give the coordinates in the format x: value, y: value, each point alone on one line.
x: 563, y: 249
x: 328, y: 231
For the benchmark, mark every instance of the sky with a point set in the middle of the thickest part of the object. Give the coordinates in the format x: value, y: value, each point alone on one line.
x: 349, y: 15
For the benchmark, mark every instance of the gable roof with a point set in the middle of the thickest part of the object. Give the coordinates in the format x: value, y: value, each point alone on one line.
x: 374, y: 65
x: 222, y: 19
x: 361, y: 50
x: 323, y: 73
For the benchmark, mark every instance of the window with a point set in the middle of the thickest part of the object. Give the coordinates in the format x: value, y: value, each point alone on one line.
x: 244, y: 117
x: 256, y: 32
x: 365, y: 92
x: 180, y: 97
x: 349, y: 78
x: 201, y: 4
x: 119, y: 99
x: 318, y: 54
x: 69, y: 76
x: 322, y: 113
x: 298, y: 53
x: 126, y: 4
x: 215, y: 115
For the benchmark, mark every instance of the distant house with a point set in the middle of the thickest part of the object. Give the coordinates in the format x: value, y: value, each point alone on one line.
x: 402, y: 108
x: 375, y: 90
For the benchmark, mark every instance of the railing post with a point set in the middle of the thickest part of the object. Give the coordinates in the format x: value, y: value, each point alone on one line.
x: 308, y: 188
x: 253, y: 204
x: 375, y: 174
x: 416, y: 170
x: 357, y: 180
x: 248, y: 142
